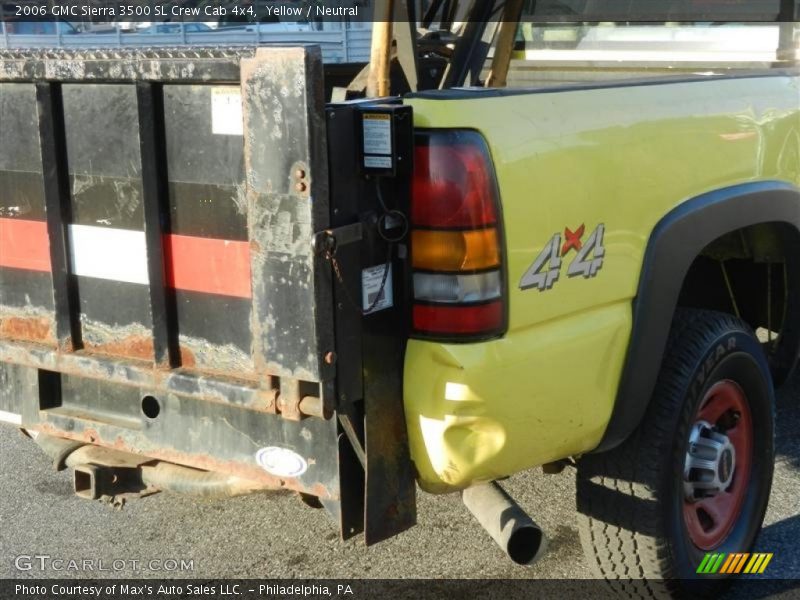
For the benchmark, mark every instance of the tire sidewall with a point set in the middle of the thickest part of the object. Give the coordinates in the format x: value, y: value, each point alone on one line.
x: 735, y: 355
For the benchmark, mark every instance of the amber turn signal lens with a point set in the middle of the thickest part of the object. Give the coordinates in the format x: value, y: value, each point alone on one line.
x: 437, y: 250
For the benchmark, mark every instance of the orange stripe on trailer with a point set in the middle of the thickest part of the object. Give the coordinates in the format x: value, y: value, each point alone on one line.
x: 24, y: 245
x: 208, y: 265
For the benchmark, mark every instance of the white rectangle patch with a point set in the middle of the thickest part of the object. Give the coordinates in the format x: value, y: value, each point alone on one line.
x: 378, y: 162
x: 9, y: 417
x: 108, y: 253
x: 371, y: 292
x: 226, y: 111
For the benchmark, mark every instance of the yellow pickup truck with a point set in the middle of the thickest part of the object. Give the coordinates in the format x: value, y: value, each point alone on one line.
x: 214, y: 280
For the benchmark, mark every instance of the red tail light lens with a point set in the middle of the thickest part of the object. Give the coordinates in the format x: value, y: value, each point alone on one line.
x: 456, y: 239
x: 457, y: 178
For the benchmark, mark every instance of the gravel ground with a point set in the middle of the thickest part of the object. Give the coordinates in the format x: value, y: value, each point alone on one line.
x: 276, y: 536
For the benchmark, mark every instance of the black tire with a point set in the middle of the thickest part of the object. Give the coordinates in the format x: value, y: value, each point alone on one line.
x: 631, y: 499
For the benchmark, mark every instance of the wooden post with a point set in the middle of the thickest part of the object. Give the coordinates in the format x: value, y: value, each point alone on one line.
x: 505, y: 44
x: 380, y: 54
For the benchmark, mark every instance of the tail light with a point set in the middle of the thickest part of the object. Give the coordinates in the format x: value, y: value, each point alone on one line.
x: 456, y: 239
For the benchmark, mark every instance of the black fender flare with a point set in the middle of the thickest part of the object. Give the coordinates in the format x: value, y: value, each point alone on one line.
x: 674, y: 243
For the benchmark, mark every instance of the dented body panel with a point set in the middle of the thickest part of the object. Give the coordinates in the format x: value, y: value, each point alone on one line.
x: 184, y: 237
x: 621, y: 156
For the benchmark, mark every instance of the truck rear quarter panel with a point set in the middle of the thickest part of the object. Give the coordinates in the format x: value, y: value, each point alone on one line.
x: 617, y: 155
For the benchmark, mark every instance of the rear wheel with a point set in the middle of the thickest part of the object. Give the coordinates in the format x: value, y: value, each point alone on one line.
x: 695, y: 476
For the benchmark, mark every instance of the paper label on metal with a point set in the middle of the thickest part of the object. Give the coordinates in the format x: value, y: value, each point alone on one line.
x: 377, y: 134
x: 378, y: 162
x: 226, y: 111
x: 371, y: 291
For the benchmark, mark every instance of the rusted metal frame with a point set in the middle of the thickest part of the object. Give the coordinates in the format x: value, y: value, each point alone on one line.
x: 116, y: 371
x: 55, y: 174
x: 504, y: 47
x: 183, y: 65
x: 205, y: 435
x: 287, y: 191
x: 470, y: 51
x: 380, y: 59
x: 146, y: 442
x: 214, y: 436
x: 150, y: 105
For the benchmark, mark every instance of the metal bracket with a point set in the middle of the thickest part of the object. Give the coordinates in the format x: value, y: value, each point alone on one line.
x: 329, y: 240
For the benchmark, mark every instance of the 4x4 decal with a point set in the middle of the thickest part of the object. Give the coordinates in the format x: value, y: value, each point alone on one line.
x: 546, y: 269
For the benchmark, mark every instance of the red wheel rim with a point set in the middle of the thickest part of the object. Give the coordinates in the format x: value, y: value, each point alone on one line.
x: 711, y: 514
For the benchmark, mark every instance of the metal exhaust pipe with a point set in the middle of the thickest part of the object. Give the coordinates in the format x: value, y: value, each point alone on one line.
x: 503, y: 519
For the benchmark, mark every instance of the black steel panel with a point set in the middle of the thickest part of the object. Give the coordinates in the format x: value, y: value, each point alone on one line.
x: 372, y: 347
x: 26, y: 306
x: 22, y: 288
x: 21, y: 194
x: 107, y: 201
x: 115, y: 317
x: 207, y: 210
x: 18, y: 123
x: 206, y: 169
x: 221, y: 321
x: 102, y: 132
x: 100, y: 400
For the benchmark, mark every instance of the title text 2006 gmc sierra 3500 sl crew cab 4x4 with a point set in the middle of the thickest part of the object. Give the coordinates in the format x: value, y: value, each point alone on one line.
x: 213, y: 281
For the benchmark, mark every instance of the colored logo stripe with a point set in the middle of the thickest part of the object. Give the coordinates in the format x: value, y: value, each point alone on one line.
x: 208, y: 265
x: 711, y: 563
x: 108, y: 253
x: 734, y: 563
x: 24, y: 245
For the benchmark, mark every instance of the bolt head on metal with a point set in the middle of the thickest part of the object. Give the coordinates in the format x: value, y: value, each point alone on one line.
x: 330, y: 358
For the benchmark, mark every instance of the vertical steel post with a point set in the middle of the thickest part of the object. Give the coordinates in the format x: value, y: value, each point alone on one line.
x: 149, y: 101
x: 52, y: 141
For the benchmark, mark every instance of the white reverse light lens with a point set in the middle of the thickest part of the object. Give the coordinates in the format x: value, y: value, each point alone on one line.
x: 457, y: 288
